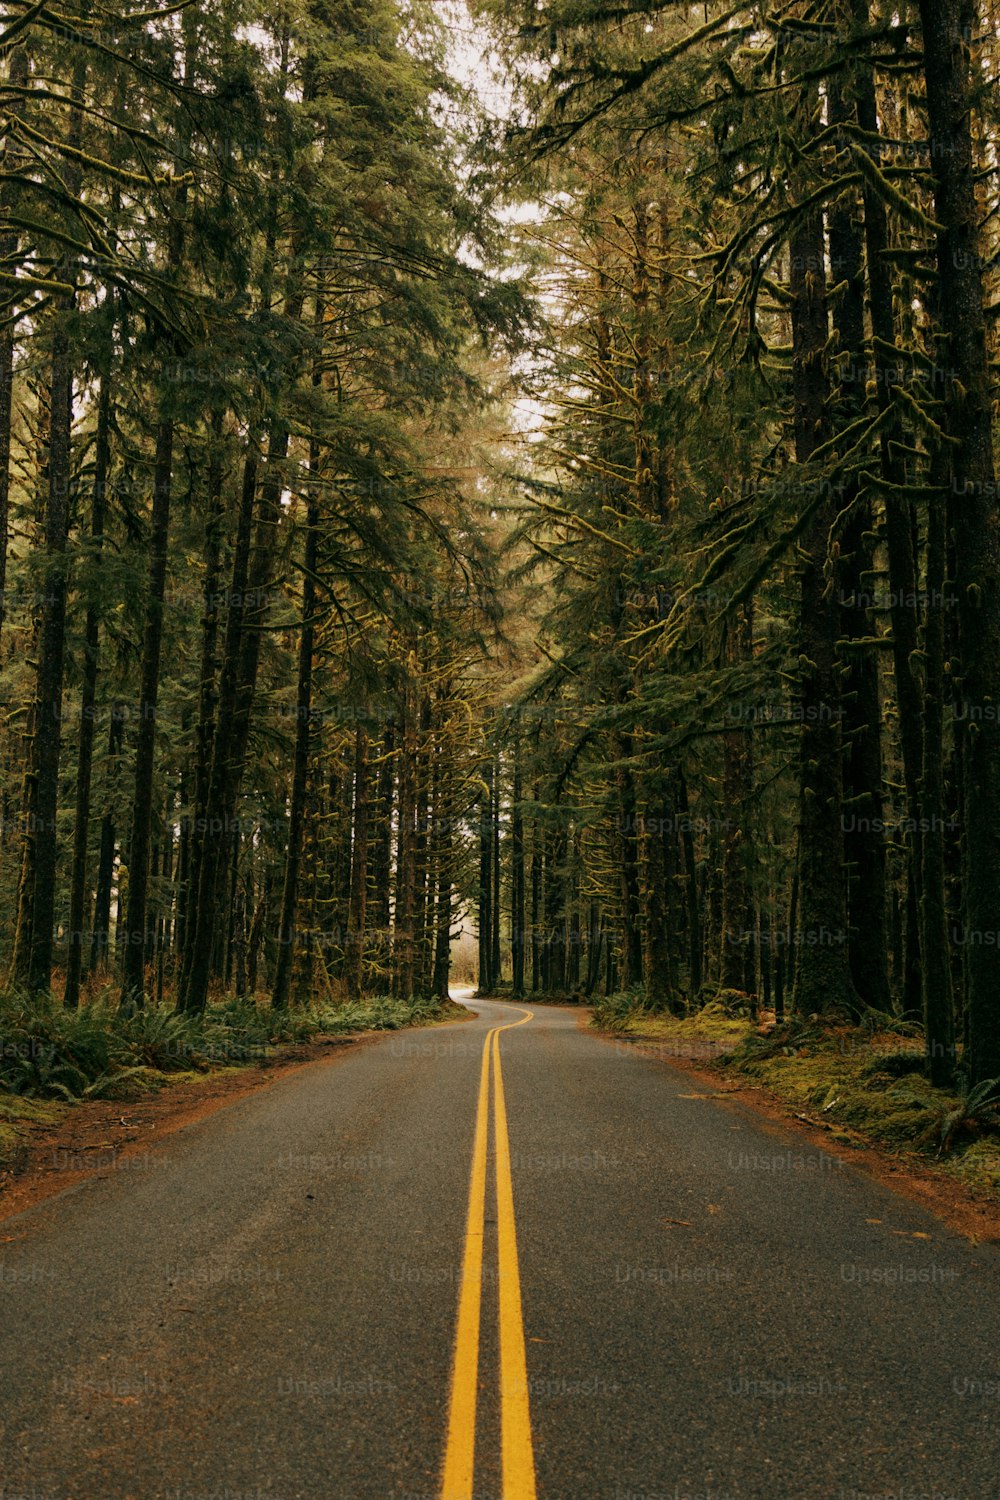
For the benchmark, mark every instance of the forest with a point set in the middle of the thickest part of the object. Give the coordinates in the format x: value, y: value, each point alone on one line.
x: 521, y: 473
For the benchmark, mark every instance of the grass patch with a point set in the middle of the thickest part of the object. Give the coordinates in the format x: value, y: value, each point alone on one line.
x: 627, y: 1014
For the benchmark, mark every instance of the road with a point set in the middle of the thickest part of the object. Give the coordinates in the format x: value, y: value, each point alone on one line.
x: 311, y: 1295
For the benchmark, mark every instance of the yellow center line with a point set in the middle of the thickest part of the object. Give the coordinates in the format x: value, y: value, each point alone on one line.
x: 460, y: 1449
x: 460, y: 1452
x: 515, y: 1415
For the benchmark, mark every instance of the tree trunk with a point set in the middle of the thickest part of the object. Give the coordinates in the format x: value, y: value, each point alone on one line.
x: 658, y: 979
x: 517, y: 879
x: 240, y: 938
x: 695, y: 940
x: 356, y: 921
x: 864, y: 842
x: 238, y: 679
x: 898, y: 522
x: 938, y: 1008
x: 207, y: 683
x: 947, y: 25
x: 628, y: 815
x: 88, y: 698
x: 823, y: 976
x: 106, y: 857
x: 17, y: 76
x: 444, y: 856
x: 595, y: 939
x: 134, y: 936
x: 536, y: 900
x: 555, y: 910
x: 423, y: 943
x: 405, y: 902
x: 495, y: 964
x: 48, y: 710
x: 785, y: 966
x: 737, y: 787
x: 486, y: 886
x: 380, y: 863
x: 300, y: 766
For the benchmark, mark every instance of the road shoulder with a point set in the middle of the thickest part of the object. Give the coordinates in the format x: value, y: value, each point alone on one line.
x: 971, y: 1213
x: 92, y: 1138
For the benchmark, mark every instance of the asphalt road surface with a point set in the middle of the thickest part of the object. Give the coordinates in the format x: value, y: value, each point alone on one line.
x: 386, y: 1276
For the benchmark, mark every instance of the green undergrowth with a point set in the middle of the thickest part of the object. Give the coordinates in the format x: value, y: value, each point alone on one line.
x: 627, y: 1014
x: 864, y: 1083
x: 97, y: 1052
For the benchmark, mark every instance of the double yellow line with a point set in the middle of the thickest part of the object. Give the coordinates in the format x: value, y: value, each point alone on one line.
x: 517, y: 1456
